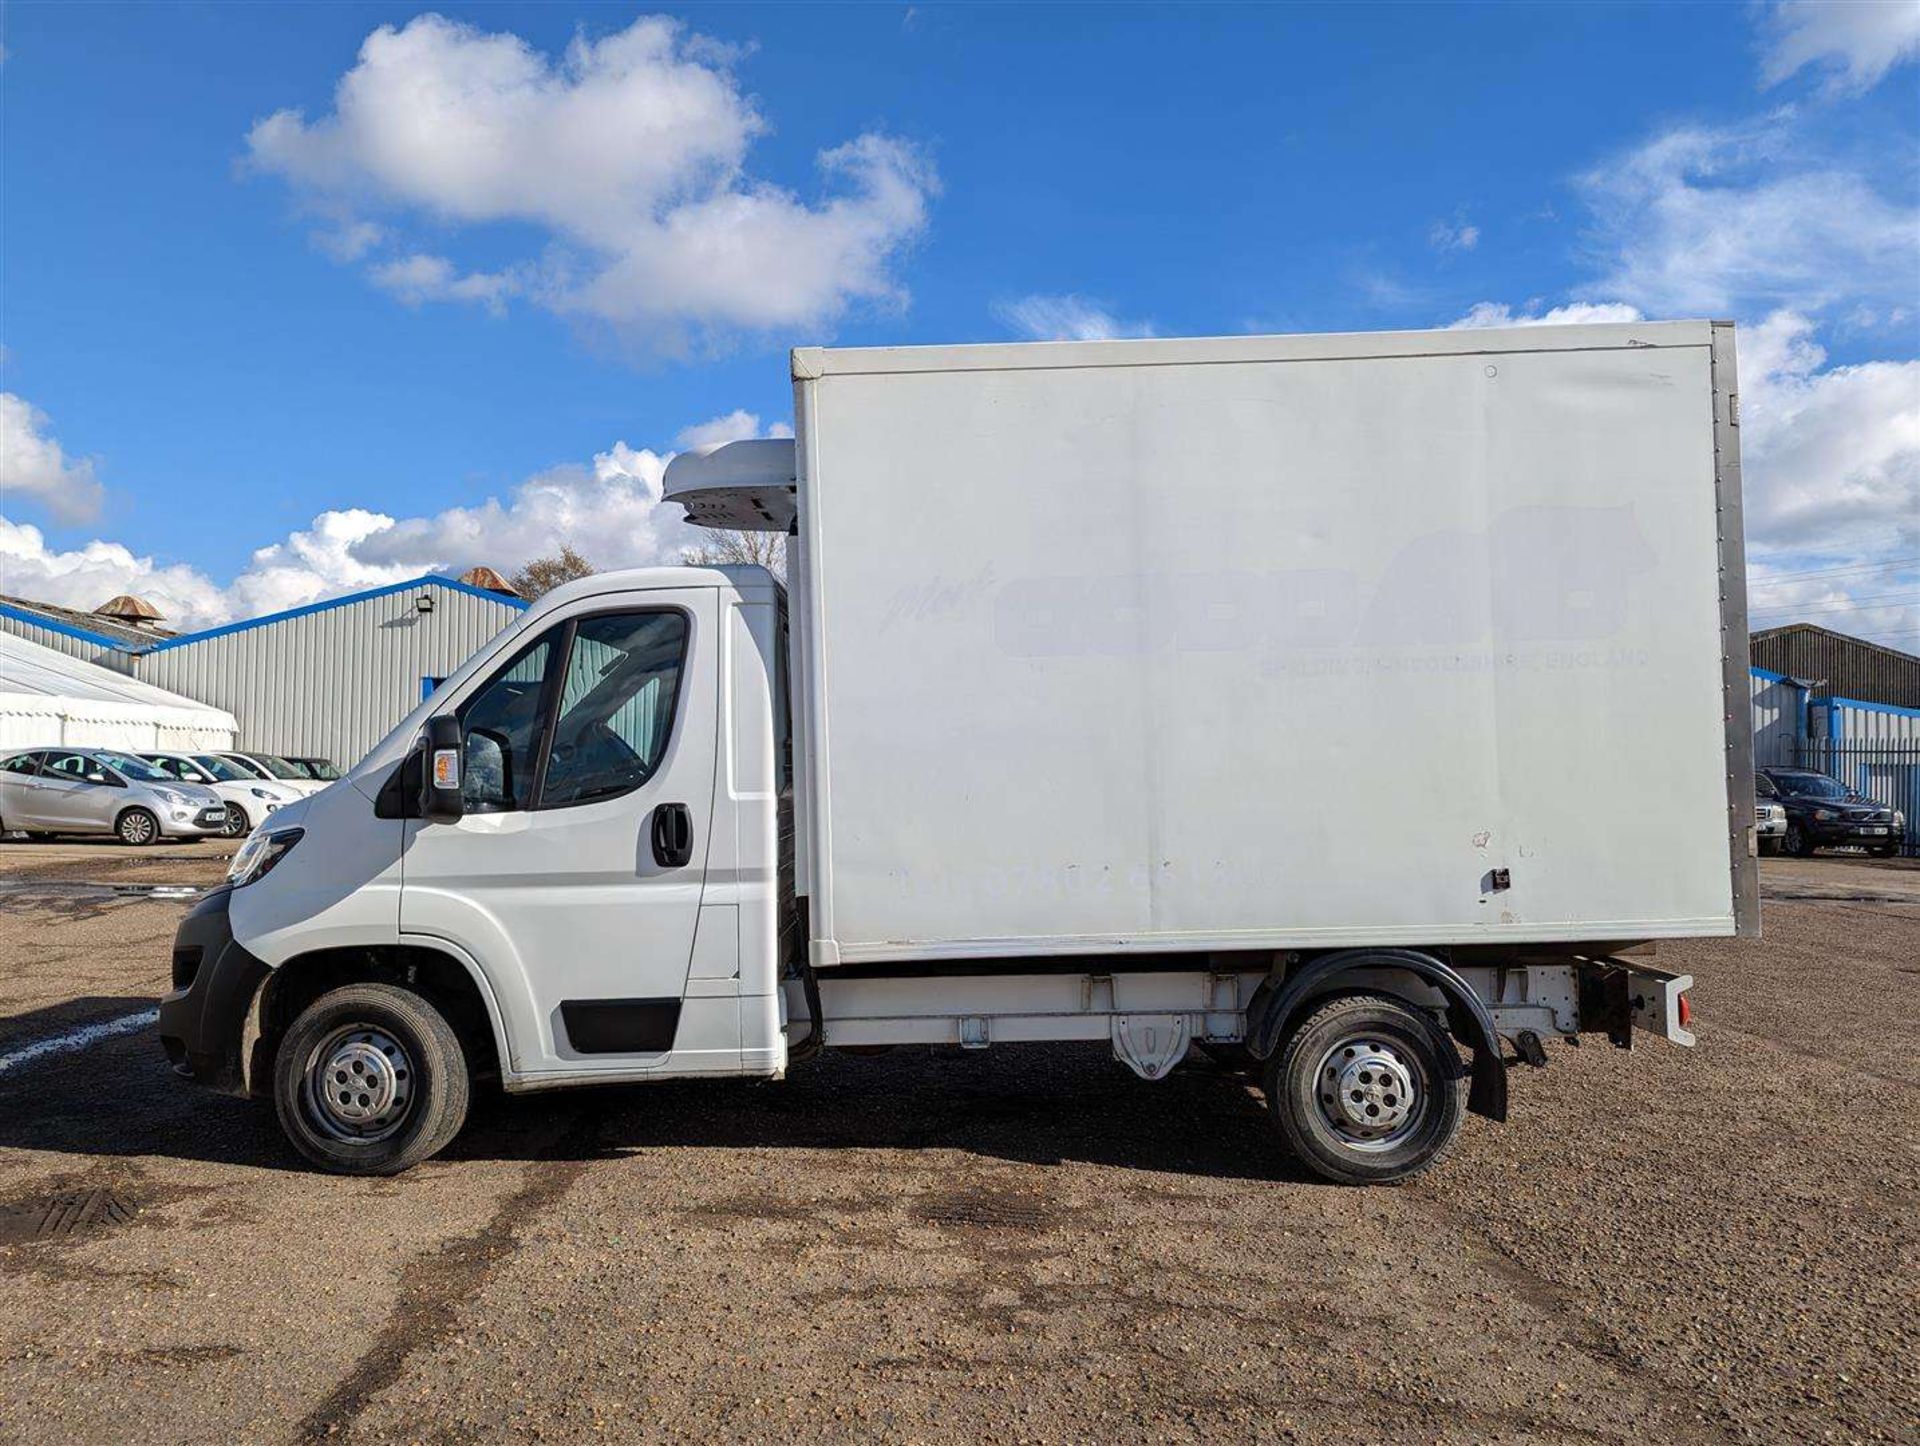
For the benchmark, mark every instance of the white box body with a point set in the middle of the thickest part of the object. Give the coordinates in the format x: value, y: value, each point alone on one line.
x: 1279, y: 642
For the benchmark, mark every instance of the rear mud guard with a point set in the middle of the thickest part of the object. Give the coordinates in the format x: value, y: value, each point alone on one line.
x: 1276, y: 1002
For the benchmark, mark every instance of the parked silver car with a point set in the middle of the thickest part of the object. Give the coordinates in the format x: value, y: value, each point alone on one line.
x: 47, y: 791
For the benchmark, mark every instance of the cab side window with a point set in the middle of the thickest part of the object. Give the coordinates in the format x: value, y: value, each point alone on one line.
x: 616, y: 705
x: 501, y: 725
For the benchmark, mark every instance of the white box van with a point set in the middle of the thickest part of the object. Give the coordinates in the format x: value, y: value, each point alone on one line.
x: 1250, y: 692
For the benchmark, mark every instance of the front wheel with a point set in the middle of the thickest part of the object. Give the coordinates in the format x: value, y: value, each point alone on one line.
x: 370, y: 1080
x: 1797, y: 843
x: 137, y: 827
x: 238, y: 825
x: 1366, y: 1091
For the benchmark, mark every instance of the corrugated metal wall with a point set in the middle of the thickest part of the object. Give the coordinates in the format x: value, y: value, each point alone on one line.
x: 60, y: 642
x: 1839, y: 665
x: 333, y: 682
x: 1852, y: 722
x: 1776, y: 719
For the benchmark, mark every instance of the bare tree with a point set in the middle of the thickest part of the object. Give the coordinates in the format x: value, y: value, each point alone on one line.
x: 766, y: 549
x: 544, y: 574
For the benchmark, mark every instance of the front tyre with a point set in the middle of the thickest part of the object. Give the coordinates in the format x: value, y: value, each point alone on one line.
x: 137, y: 827
x: 238, y: 825
x: 370, y: 1080
x: 1366, y: 1091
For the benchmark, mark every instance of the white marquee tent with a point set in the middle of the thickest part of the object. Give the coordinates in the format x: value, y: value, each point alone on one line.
x: 48, y: 699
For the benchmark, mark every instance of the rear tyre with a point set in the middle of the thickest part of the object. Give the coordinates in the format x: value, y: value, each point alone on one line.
x: 370, y: 1080
x: 137, y: 827
x: 1366, y: 1091
x: 238, y: 825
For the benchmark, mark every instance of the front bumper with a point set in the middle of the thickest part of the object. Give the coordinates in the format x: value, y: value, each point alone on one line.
x: 201, y: 823
x: 1841, y: 832
x: 1772, y: 828
x: 214, y: 984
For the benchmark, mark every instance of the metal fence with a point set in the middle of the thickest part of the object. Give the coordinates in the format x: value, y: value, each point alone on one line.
x: 1888, y: 773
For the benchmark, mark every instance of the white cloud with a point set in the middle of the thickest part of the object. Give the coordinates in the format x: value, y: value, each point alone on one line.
x: 609, y: 509
x: 735, y: 426
x: 33, y: 465
x: 419, y: 278
x: 349, y: 240
x: 1453, y: 236
x: 1831, y: 457
x: 1705, y: 220
x: 629, y: 153
x: 1574, y: 313
x: 1066, y: 318
x: 1848, y: 592
x: 1853, y: 43
x: 85, y: 577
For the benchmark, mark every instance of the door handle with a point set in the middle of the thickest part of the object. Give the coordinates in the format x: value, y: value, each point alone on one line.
x: 673, y: 835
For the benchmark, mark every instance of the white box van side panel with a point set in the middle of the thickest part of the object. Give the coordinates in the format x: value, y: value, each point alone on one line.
x: 1267, y: 652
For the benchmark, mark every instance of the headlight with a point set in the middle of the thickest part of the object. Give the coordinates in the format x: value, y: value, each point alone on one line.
x: 169, y: 796
x: 264, y: 793
x: 259, y: 854
x: 1821, y: 815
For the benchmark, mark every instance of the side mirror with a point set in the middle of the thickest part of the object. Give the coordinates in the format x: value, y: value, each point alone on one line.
x: 441, y: 800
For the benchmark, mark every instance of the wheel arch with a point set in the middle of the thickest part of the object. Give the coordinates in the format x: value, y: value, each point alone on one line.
x: 1281, y: 999
x: 442, y: 976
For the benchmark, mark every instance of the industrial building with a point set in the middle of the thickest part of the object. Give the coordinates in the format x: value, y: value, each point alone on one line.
x: 326, y: 680
x: 1836, y: 665
x: 1844, y: 706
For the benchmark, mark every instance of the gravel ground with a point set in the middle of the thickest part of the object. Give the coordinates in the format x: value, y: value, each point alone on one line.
x: 1701, y: 1246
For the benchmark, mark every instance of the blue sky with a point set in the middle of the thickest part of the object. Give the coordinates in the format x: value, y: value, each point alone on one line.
x: 281, y: 314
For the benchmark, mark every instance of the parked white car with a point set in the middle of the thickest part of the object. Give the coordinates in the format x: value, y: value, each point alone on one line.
x: 248, y: 799
x: 274, y: 769
x: 49, y: 791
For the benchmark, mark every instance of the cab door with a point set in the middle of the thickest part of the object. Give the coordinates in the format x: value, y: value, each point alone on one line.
x: 575, y: 876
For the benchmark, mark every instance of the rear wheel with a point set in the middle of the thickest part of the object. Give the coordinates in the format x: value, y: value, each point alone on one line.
x: 1366, y: 1091
x: 238, y: 825
x: 370, y: 1080
x: 137, y: 827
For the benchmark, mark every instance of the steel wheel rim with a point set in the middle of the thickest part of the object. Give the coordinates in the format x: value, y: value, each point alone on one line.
x: 359, y: 1085
x: 137, y: 828
x: 1372, y: 1092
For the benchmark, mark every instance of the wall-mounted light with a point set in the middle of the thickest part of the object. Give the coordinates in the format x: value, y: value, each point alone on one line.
x: 423, y: 603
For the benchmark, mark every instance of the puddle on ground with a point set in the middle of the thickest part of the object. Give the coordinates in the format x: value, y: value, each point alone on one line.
x: 83, y: 889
